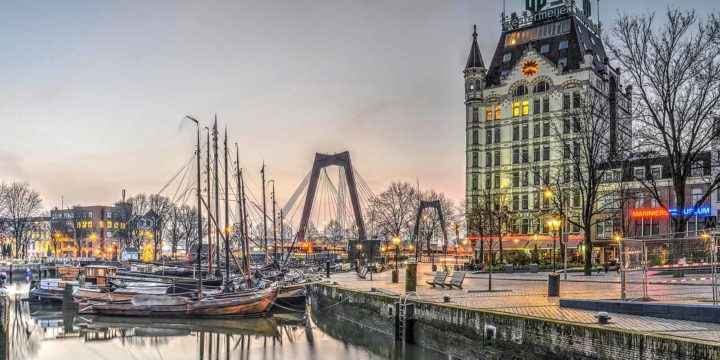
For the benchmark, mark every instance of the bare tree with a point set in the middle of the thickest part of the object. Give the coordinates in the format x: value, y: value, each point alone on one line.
x: 173, y: 228
x: 189, y: 225
x: 675, y: 68
x: 588, y: 151
x: 20, y: 203
x: 392, y: 211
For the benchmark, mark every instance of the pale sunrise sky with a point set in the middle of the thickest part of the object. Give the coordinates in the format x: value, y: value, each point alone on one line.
x: 93, y: 92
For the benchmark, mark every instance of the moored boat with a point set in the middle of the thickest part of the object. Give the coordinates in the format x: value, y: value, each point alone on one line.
x: 239, y: 304
x: 49, y: 290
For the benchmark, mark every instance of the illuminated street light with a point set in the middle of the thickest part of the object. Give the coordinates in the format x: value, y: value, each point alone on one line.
x: 554, y: 226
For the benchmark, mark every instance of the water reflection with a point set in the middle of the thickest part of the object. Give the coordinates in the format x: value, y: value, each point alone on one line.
x: 48, y: 332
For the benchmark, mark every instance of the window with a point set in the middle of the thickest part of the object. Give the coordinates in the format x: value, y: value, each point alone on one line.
x: 516, y: 156
x: 488, y: 114
x: 566, y: 151
x: 526, y: 107
x: 525, y: 132
x: 545, y: 49
x: 525, y: 157
x: 656, y: 171
x: 536, y: 130
x: 566, y: 101
x: 497, y: 135
x: 538, y: 32
x: 496, y: 180
x: 542, y: 86
x: 546, y: 129
x: 488, y: 136
x: 497, y: 157
x: 515, y: 202
x: 525, y: 227
x: 562, y: 62
x: 639, y: 201
x: 536, y: 153
x: 516, y: 179
x: 563, y: 45
x: 516, y: 108
x: 536, y: 106
x: 475, y: 137
x: 488, y: 159
x: 697, y: 194
x: 576, y: 149
x: 516, y: 132
x: 536, y: 178
x: 576, y: 99
x: 524, y: 178
x: 475, y: 159
x: 546, y: 104
x: 546, y: 153
x: 507, y: 57
x: 474, y: 182
x: 639, y: 172
x: 521, y: 90
x: 697, y: 169
x: 566, y: 125
x: 497, y: 112
x: 525, y: 204
x: 488, y: 182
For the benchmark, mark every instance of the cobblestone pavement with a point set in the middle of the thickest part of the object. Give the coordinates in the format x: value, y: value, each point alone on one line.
x: 526, y: 294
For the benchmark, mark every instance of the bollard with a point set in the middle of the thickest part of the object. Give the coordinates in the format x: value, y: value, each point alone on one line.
x: 411, y: 275
x: 554, y: 284
x: 603, y: 317
x: 395, y: 277
x: 357, y: 265
x: 327, y: 269
x: 446, y: 298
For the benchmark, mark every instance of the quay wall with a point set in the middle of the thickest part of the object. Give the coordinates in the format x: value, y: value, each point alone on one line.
x: 461, y: 331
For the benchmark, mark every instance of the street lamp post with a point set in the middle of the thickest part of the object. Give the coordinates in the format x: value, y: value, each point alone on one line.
x: 395, y: 274
x: 554, y: 225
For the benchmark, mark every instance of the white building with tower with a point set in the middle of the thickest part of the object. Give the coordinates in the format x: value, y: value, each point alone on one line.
x: 546, y: 59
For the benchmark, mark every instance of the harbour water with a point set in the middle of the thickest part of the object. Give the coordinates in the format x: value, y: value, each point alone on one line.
x: 42, y: 331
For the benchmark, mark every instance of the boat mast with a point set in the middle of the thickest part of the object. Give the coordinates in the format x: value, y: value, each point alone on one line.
x: 245, y: 231
x: 199, y: 212
x: 227, y: 216
x: 217, y: 194
x: 265, y: 238
x: 241, y: 213
x: 209, y: 191
x: 273, y: 223
x: 282, y: 235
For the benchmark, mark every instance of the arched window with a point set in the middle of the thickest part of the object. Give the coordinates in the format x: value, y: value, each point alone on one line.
x: 521, y: 90
x: 477, y: 84
x: 541, y: 86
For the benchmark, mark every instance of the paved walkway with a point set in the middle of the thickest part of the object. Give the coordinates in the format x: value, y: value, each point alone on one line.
x: 526, y: 294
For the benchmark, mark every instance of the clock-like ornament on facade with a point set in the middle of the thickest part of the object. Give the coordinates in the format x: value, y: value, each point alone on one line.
x: 530, y: 67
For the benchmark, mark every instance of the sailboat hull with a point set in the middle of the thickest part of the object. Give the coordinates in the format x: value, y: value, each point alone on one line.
x: 235, y: 305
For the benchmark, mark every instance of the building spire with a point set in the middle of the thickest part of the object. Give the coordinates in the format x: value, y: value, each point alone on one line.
x: 474, y: 59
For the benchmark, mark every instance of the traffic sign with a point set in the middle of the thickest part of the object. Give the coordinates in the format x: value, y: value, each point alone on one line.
x: 710, y: 222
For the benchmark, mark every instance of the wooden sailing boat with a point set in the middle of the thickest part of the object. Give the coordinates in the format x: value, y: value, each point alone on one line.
x: 236, y: 304
x: 232, y: 303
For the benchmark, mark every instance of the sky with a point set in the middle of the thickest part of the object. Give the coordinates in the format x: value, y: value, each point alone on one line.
x: 94, y: 92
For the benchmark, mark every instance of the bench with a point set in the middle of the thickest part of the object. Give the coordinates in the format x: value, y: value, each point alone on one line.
x: 363, y: 273
x: 456, y: 280
x: 438, y: 280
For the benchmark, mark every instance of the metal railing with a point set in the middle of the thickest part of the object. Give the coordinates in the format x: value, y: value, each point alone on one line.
x: 669, y: 269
